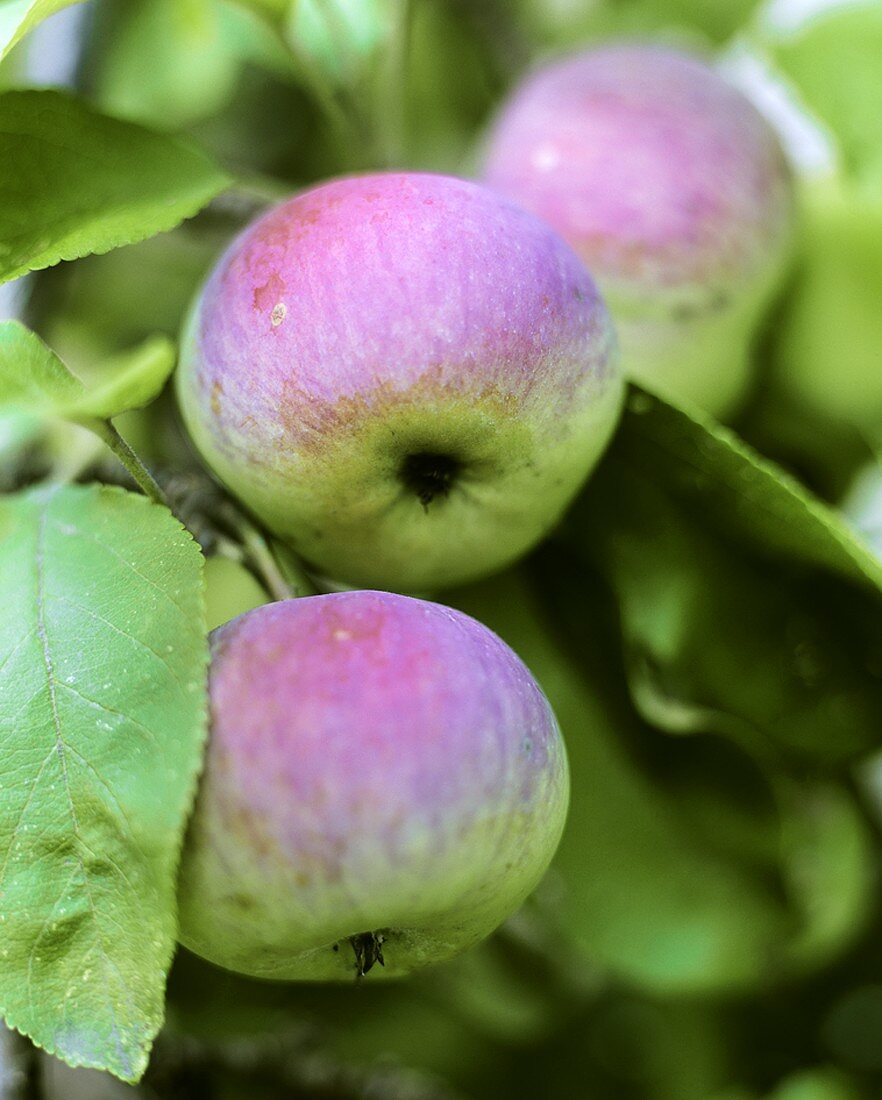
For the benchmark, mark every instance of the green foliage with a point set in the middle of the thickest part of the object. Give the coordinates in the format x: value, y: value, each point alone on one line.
x: 166, y: 62
x: 708, y: 631
x: 642, y: 894
x: 103, y: 657
x: 745, y: 573
x: 736, y: 490
x: 341, y: 37
x: 822, y: 347
x: 73, y: 181
x: 833, y: 59
x: 34, y: 384
x: 747, y: 615
x: 827, y: 338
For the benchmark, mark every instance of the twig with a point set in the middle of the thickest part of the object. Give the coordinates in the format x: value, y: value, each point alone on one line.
x: 136, y: 468
x: 257, y: 550
x: 264, y: 562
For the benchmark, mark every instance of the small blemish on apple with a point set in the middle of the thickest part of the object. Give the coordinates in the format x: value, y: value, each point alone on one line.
x: 278, y: 314
x: 269, y: 292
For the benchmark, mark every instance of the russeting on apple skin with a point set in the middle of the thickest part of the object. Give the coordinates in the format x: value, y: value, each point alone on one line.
x: 676, y: 194
x: 384, y: 782
x: 405, y: 376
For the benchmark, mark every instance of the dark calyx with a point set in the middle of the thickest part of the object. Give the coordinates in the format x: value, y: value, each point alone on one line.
x: 368, y: 948
x: 429, y: 475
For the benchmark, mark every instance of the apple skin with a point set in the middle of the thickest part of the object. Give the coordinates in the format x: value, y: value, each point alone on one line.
x: 676, y: 194
x: 379, y: 321
x: 377, y: 765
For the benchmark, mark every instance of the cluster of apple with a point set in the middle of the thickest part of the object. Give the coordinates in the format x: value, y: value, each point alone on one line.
x: 407, y: 378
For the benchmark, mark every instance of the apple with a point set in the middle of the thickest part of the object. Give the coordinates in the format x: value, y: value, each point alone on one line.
x: 403, y: 376
x: 385, y: 783
x: 676, y: 194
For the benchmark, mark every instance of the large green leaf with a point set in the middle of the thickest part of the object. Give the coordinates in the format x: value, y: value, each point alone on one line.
x: 17, y: 17
x: 733, y: 489
x: 747, y: 607
x: 102, y: 663
x: 74, y: 181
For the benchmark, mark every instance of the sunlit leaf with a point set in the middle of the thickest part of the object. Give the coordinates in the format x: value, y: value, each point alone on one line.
x: 74, y: 181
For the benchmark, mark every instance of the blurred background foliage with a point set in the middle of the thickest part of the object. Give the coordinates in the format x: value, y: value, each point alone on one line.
x: 711, y: 926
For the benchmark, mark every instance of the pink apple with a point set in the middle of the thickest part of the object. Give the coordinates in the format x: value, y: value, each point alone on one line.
x: 674, y: 191
x: 384, y: 778
x: 404, y: 376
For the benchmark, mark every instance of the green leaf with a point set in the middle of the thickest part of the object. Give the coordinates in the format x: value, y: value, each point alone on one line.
x: 34, y: 385
x: 32, y: 377
x: 733, y: 489
x: 34, y: 381
x: 102, y: 659
x: 134, y: 379
x: 747, y: 607
x: 74, y: 181
x: 17, y: 17
x: 36, y: 388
